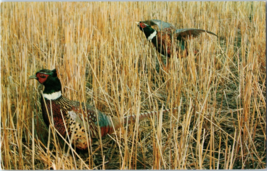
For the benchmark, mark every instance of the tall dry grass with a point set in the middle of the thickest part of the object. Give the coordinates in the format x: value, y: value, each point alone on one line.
x: 103, y: 59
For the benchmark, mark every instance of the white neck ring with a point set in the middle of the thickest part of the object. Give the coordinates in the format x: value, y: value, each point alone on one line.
x: 151, y: 36
x: 52, y: 96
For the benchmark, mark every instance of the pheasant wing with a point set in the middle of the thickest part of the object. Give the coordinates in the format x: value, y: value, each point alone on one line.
x: 159, y: 25
x: 99, y: 119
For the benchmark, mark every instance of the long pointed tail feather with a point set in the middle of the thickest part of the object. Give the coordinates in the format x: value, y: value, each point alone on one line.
x: 132, y: 118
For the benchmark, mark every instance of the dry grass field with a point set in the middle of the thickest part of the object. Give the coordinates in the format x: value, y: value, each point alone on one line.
x: 102, y: 58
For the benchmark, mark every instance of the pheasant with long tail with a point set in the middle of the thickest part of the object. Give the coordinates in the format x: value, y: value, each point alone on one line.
x: 72, y: 117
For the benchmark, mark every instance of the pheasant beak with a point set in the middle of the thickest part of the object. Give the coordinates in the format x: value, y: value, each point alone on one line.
x: 33, y: 77
x: 137, y: 23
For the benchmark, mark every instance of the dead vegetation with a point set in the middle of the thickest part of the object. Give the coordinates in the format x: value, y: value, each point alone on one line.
x: 103, y: 59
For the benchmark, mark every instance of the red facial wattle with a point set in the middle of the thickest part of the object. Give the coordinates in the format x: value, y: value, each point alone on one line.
x: 142, y: 25
x: 41, y: 77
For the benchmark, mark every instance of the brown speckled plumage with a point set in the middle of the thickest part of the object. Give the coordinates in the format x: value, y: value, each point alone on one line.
x: 164, y: 45
x: 73, y: 113
x: 74, y: 120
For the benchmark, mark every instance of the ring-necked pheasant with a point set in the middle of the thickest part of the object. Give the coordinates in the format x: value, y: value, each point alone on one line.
x: 165, y: 37
x: 69, y: 114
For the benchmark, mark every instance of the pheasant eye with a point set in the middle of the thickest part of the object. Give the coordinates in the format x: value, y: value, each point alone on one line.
x: 41, y: 77
x: 142, y: 25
